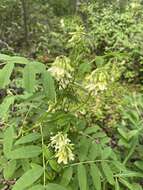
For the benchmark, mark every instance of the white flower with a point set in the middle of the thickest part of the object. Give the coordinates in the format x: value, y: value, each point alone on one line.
x: 95, y: 87
x: 102, y: 86
x: 64, y: 155
x: 96, y: 81
x: 57, y: 72
x: 91, y: 88
x: 63, y: 147
x: 61, y: 70
x: 59, y: 140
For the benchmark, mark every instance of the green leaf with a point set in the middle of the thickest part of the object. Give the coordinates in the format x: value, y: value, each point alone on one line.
x: 132, y: 149
x: 28, y: 138
x: 137, y: 186
x: 4, y: 107
x: 4, y: 57
x: 67, y: 175
x: 38, y: 66
x: 29, y: 78
x: 95, y: 173
x: 47, y: 153
x: 132, y: 133
x: 123, y: 133
x: 3, y: 162
x: 48, y: 85
x: 91, y: 130
x: 84, y: 68
x: 120, y: 166
x: 5, y: 74
x: 108, y: 172
x: 25, y: 165
x: 28, y: 178
x: 8, y: 141
x: 99, y: 61
x: 37, y: 187
x: 84, y: 146
x: 52, y: 186
x: 130, y: 174
x: 74, y: 183
x: 106, y: 152
x: 19, y: 60
x: 29, y: 75
x: 82, y: 178
x: 54, y: 165
x: 139, y: 165
x: 95, y: 151
x: 25, y: 152
x: 9, y: 169
x: 13, y: 59
x: 126, y: 183
x: 69, y: 188
x: 117, y: 187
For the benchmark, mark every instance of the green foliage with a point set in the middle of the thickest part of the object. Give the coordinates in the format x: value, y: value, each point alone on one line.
x: 82, y: 177
x: 29, y: 177
x: 72, y: 119
x: 96, y: 176
x: 29, y: 156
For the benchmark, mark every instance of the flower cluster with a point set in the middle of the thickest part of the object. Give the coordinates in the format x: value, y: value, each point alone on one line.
x: 97, y: 82
x: 61, y: 70
x: 58, y: 72
x: 63, y: 147
x: 77, y: 35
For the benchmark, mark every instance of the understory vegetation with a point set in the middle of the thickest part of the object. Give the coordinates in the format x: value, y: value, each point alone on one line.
x: 71, y: 95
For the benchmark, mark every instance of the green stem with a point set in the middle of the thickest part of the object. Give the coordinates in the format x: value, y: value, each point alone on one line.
x: 23, y: 123
x: 44, y: 166
x: 87, y: 162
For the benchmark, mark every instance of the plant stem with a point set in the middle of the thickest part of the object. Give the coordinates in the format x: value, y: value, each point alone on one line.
x: 44, y: 166
x: 87, y: 162
x: 23, y: 123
